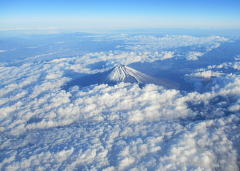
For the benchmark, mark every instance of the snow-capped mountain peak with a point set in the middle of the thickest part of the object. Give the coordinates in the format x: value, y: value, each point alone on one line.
x: 123, y: 73
x: 119, y: 73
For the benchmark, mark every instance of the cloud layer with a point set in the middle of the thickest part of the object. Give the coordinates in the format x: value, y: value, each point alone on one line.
x: 119, y: 127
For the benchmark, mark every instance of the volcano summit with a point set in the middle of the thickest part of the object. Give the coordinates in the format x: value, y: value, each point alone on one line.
x: 123, y: 73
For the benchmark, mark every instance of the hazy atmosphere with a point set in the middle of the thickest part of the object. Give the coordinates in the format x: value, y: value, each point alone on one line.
x: 106, y: 14
x: 120, y: 85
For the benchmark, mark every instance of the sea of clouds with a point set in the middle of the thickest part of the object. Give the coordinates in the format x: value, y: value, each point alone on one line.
x: 46, y: 127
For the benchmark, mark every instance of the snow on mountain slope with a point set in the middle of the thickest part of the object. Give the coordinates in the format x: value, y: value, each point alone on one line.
x: 122, y: 73
x: 119, y: 73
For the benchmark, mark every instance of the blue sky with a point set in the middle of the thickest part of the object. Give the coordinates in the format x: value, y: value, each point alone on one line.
x: 106, y: 14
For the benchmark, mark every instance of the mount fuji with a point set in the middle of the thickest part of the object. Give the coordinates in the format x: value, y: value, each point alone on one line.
x: 119, y: 73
